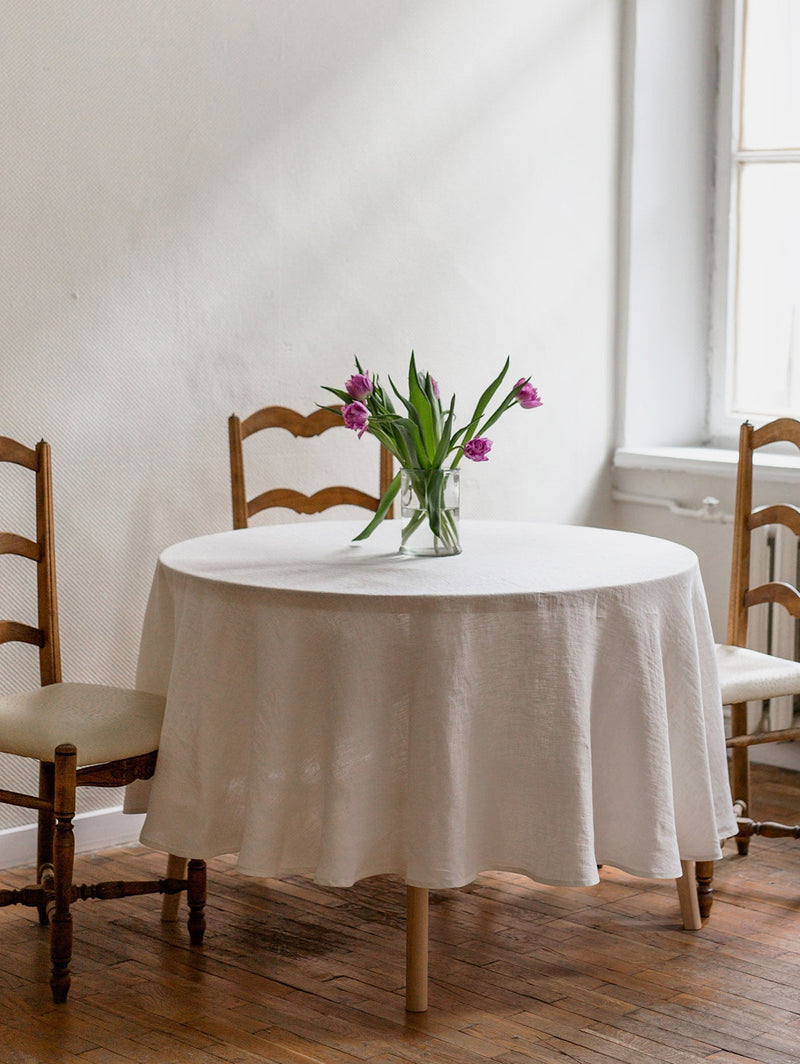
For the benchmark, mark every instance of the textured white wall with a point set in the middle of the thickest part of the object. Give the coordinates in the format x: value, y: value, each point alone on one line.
x: 213, y: 204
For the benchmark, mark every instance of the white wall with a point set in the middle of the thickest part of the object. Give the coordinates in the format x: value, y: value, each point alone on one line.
x: 213, y: 204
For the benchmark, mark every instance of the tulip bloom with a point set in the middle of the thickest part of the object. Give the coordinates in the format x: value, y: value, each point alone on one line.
x: 359, y: 386
x: 527, y: 396
x: 477, y: 449
x: 356, y: 417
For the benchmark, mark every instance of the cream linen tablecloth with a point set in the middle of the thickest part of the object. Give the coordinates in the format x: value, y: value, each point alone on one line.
x: 543, y: 703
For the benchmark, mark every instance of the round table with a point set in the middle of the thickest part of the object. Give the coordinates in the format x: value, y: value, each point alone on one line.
x: 544, y: 703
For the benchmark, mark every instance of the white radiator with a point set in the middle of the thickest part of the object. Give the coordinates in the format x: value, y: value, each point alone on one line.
x: 775, y: 555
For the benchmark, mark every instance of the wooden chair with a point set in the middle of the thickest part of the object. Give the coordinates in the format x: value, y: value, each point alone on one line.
x: 315, y: 424
x: 81, y: 735
x: 750, y: 675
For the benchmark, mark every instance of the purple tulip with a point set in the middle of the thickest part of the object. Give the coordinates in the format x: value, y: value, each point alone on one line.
x: 477, y: 449
x: 356, y: 417
x: 527, y: 396
x: 435, y: 387
x: 359, y: 386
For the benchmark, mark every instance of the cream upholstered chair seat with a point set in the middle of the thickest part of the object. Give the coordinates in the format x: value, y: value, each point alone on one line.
x: 748, y: 675
x: 104, y: 723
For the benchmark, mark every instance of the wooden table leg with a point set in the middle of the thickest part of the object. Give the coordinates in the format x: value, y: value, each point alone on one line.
x: 687, y: 897
x: 416, y: 949
x: 171, y: 903
x: 704, y: 874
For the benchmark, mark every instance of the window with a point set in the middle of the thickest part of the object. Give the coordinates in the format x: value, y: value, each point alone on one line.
x: 756, y: 331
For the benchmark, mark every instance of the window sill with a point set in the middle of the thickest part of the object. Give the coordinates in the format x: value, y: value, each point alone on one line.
x: 706, y: 461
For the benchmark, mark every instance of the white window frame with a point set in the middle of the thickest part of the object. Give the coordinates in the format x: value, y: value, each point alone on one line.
x: 723, y: 426
x: 723, y: 421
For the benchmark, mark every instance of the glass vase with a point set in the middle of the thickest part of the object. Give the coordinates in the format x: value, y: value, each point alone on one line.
x: 430, y: 501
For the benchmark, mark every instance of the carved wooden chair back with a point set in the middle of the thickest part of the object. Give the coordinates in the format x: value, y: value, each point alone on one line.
x: 746, y: 519
x: 45, y: 636
x: 80, y: 734
x: 299, y: 425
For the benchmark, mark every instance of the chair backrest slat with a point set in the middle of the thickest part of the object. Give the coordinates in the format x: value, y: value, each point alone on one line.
x: 16, y: 632
x: 18, y: 453
x: 780, y: 514
x: 299, y: 425
x: 281, y: 417
x: 42, y: 552
x: 783, y: 594
x: 321, y: 500
x: 782, y: 430
x: 10, y: 543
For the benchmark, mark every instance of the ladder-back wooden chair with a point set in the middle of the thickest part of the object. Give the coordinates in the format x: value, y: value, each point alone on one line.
x: 81, y: 735
x: 749, y: 675
x: 271, y: 417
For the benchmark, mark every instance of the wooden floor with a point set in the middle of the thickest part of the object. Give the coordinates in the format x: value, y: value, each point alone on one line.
x: 295, y: 973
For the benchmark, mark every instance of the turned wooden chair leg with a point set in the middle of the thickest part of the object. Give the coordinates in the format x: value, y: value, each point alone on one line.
x: 196, y: 896
x: 704, y: 873
x: 171, y: 903
x: 63, y: 859
x: 687, y: 897
x: 416, y: 949
x: 740, y: 770
x: 44, y: 839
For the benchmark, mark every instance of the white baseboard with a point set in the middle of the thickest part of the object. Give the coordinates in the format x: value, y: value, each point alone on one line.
x: 93, y: 831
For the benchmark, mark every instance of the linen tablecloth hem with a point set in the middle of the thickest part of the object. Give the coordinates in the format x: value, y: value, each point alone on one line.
x: 447, y: 883
x: 546, y: 881
x: 190, y: 853
x: 453, y: 883
x: 670, y: 872
x: 456, y: 882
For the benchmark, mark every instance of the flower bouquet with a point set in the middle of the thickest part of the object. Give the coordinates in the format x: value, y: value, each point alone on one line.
x: 422, y: 437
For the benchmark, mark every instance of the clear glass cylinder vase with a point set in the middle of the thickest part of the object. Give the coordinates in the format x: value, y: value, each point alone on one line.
x: 430, y: 505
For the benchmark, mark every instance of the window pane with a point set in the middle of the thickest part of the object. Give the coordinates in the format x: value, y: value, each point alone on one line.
x: 771, y: 90
x: 767, y: 357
